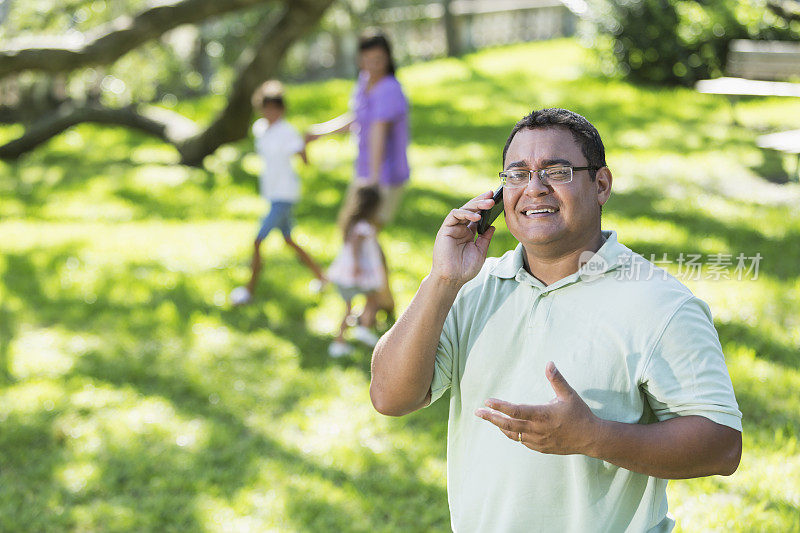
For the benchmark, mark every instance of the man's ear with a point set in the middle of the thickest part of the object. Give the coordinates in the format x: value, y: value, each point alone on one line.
x: 603, y: 179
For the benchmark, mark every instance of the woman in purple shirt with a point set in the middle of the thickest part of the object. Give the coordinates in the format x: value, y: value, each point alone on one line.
x: 378, y: 116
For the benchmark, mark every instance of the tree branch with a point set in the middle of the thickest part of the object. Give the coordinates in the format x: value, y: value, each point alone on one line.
x: 783, y: 9
x: 107, y: 43
x: 255, y: 65
x: 165, y: 125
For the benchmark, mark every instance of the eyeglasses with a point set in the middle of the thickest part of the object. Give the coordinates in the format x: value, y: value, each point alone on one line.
x: 514, y: 179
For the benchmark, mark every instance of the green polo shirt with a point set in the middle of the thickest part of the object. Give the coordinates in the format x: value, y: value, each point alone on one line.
x: 633, y: 341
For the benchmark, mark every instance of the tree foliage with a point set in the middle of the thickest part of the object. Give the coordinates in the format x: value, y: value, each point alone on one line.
x: 678, y: 41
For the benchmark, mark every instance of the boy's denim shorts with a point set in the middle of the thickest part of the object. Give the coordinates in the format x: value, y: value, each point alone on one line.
x: 279, y: 216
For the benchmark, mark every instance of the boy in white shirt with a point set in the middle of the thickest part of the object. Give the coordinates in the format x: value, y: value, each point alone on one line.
x: 276, y: 141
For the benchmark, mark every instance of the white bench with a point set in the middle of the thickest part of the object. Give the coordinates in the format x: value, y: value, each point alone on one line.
x: 756, y: 66
x: 787, y: 142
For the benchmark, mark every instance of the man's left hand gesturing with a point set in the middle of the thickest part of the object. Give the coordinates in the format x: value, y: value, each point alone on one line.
x: 564, y: 426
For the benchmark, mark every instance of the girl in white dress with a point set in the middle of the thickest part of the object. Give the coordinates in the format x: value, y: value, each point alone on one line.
x: 358, y: 269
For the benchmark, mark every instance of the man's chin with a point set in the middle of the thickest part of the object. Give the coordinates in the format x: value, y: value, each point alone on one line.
x: 536, y: 238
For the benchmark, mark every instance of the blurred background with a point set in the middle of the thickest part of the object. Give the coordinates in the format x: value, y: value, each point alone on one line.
x: 134, y: 398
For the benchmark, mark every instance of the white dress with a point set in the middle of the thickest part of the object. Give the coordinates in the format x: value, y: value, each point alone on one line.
x: 342, y: 270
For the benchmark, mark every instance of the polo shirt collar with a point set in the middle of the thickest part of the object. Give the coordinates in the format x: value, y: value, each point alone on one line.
x: 611, y: 255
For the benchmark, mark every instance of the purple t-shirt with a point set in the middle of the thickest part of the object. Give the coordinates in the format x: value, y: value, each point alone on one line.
x: 385, y: 102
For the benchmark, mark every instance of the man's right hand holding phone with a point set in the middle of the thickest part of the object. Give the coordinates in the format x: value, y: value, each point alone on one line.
x: 404, y: 358
x: 457, y: 255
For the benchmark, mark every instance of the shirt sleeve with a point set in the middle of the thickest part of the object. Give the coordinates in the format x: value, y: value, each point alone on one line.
x: 446, y: 354
x: 390, y: 103
x: 259, y: 127
x: 686, y: 372
x: 294, y: 143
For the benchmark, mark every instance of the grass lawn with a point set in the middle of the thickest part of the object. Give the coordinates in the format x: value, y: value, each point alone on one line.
x: 133, y: 398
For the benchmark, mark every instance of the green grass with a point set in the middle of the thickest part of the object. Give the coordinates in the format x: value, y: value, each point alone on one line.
x: 133, y: 398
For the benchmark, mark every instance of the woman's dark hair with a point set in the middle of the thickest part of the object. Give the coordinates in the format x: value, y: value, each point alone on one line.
x: 376, y: 39
x: 363, y: 205
x: 585, y: 134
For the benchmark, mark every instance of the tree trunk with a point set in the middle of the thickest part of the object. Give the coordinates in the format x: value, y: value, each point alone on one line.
x: 201, y: 62
x: 257, y: 64
x: 451, y: 31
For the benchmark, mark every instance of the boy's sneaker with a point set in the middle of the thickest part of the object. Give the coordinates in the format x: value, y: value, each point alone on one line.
x: 339, y: 349
x: 365, y: 335
x: 240, y: 296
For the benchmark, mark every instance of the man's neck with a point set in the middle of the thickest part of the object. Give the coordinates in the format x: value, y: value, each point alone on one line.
x: 549, y: 267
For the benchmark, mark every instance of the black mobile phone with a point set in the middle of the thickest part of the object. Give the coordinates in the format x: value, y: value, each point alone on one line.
x: 490, y: 215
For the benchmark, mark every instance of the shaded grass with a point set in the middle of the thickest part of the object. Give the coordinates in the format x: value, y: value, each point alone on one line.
x: 133, y: 398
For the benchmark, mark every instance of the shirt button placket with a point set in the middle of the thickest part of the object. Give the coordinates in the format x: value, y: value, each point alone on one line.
x: 537, y: 295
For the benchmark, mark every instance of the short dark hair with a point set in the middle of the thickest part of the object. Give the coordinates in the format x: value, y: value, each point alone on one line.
x: 269, y: 93
x: 584, y: 133
x: 375, y: 39
x: 273, y: 100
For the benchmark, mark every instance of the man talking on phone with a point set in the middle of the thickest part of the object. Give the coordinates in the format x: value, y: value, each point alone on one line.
x: 576, y: 389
